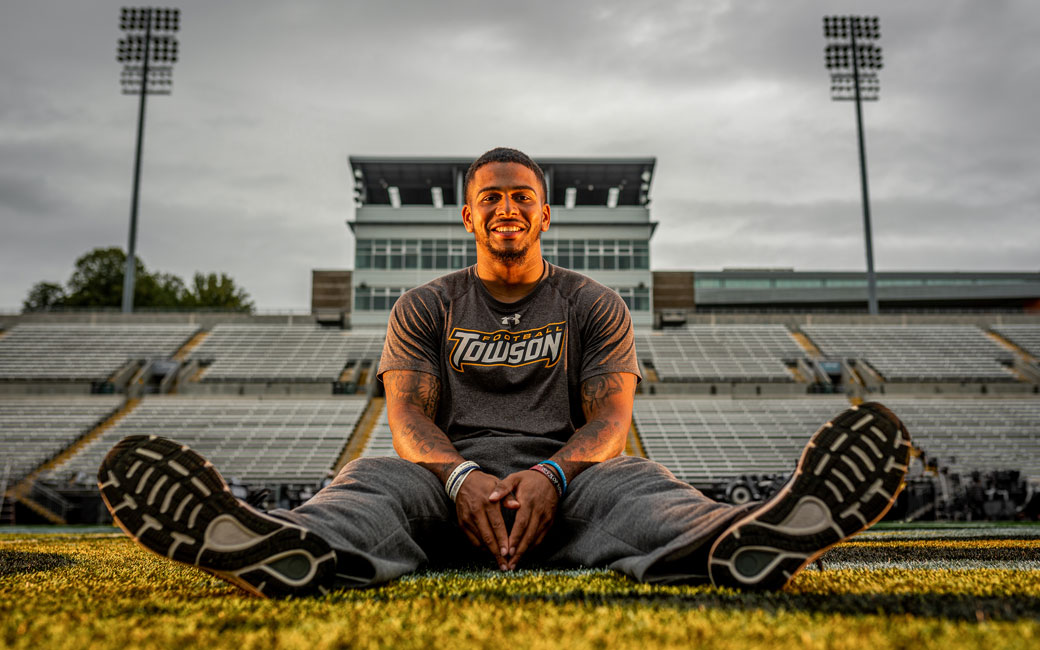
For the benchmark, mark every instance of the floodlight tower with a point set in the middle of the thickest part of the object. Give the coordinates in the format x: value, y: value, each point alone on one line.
x: 147, y: 53
x: 854, y: 67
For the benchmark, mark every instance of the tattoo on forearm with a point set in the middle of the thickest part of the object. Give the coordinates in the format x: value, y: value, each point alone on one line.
x: 422, y: 444
x: 419, y: 388
x: 593, y: 443
x: 598, y: 390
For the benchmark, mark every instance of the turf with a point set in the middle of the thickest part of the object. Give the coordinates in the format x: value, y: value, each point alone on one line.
x: 99, y: 590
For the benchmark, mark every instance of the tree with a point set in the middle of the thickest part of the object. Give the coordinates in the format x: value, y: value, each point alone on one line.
x: 217, y: 292
x: 97, y: 282
x: 44, y: 296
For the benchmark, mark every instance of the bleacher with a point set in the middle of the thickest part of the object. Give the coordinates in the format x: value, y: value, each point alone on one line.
x: 1026, y: 337
x: 969, y: 435
x: 256, y: 441
x: 303, y: 353
x: 380, y: 442
x: 917, y: 353
x: 702, y: 441
x: 34, y: 429
x: 296, y: 441
x: 84, y: 352
x: 720, y: 353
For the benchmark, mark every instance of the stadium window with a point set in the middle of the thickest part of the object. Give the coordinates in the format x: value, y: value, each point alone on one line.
x: 707, y: 283
x: 426, y: 254
x: 364, y: 254
x: 411, y: 254
x: 641, y: 299
x: 900, y: 282
x: 641, y: 255
x: 563, y: 253
x: 609, y: 255
x: 746, y: 283
x: 593, y: 254
x: 441, y: 257
x: 362, y: 298
x: 845, y: 282
x: 380, y: 254
x: 396, y: 254
x: 457, y: 253
x: 799, y: 283
x: 577, y: 255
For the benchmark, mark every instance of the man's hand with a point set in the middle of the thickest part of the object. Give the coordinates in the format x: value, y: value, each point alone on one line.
x: 481, y: 518
x: 535, y: 500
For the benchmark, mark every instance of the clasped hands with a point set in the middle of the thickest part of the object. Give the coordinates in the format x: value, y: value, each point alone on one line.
x: 479, y: 506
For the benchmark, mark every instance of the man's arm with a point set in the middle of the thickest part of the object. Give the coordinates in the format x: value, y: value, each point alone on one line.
x: 607, y: 403
x: 411, y: 405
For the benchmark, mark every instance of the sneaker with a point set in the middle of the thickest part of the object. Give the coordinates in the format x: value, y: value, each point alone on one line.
x: 846, y: 480
x: 172, y: 502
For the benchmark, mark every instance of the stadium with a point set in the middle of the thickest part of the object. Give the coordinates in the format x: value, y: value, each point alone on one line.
x: 739, y: 367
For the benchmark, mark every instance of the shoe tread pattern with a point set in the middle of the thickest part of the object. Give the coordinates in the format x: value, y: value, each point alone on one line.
x: 165, y: 496
x: 854, y: 465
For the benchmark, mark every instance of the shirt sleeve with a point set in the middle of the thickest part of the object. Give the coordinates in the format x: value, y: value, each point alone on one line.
x: 608, y: 342
x: 413, y: 334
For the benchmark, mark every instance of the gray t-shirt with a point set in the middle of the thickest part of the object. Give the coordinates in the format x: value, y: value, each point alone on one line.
x: 510, y: 369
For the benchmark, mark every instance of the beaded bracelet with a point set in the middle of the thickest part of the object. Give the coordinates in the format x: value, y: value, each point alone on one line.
x: 457, y: 477
x: 549, y: 474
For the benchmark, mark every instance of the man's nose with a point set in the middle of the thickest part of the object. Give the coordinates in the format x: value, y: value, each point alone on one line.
x: 507, y: 206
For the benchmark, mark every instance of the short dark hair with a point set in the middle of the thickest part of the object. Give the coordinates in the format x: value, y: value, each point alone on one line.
x: 505, y: 155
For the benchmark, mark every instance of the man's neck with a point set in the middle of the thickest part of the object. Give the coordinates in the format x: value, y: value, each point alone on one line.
x: 511, y: 282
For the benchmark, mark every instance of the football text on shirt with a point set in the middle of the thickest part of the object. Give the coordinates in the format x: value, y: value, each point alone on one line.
x: 504, y: 348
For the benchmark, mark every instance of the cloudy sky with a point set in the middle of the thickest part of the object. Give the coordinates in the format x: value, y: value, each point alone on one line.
x: 246, y: 172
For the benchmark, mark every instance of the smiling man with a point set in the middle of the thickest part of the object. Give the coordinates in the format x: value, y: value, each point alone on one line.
x: 509, y: 389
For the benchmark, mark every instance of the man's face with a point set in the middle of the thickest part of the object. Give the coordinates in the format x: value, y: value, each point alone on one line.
x: 505, y: 211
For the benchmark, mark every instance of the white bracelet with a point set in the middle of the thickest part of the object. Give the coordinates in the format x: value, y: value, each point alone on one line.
x: 458, y: 475
x: 458, y: 483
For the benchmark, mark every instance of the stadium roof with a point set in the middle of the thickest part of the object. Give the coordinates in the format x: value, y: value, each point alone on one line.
x: 571, y: 181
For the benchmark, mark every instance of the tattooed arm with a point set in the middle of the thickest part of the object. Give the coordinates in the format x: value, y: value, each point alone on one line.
x: 607, y: 403
x: 411, y: 405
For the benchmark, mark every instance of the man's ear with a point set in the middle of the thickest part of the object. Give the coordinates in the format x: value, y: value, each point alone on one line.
x: 545, y: 217
x: 467, y: 218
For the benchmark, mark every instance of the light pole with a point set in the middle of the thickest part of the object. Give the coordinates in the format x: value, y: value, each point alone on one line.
x: 854, y: 67
x: 147, y: 52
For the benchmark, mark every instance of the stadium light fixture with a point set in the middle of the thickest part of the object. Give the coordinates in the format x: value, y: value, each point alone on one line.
x: 147, y: 52
x: 854, y: 61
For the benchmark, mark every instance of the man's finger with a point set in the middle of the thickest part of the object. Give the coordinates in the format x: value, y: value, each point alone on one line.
x: 490, y: 542
x: 532, y: 532
x: 520, y: 524
x: 503, y: 488
x: 498, y: 527
x: 473, y: 539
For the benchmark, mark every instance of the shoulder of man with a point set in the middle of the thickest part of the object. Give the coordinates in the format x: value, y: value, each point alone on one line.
x: 441, y: 289
x: 580, y: 289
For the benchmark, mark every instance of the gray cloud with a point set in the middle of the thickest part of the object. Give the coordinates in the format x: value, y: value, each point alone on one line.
x: 245, y: 166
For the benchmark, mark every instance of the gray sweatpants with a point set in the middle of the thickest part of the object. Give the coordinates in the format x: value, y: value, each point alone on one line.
x: 387, y: 517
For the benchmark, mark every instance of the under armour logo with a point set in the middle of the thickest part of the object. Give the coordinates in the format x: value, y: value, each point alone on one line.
x: 511, y: 320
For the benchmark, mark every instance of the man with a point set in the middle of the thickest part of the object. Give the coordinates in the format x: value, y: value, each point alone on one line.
x: 510, y: 388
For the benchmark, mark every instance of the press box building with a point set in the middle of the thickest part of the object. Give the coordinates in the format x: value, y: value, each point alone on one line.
x: 408, y: 227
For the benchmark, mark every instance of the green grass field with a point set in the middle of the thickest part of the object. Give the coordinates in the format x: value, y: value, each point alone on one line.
x: 939, y: 587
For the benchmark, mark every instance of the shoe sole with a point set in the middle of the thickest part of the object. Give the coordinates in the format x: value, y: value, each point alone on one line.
x: 172, y: 502
x: 847, y: 478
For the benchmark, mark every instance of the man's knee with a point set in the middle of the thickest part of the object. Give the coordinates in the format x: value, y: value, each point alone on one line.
x: 386, y: 474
